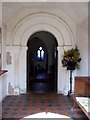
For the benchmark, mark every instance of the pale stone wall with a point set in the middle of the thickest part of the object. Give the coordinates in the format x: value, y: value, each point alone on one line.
x: 82, y: 42
x: 18, y: 31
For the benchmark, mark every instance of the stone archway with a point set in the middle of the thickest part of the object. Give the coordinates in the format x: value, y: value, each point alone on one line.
x: 62, y: 84
x: 29, y: 25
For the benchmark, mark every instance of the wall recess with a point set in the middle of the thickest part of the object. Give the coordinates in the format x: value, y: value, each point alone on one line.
x: 9, y: 58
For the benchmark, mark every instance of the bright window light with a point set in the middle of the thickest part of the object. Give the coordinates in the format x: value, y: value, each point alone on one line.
x: 40, y: 55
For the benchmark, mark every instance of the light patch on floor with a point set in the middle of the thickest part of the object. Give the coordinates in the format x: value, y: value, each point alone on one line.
x: 46, y: 115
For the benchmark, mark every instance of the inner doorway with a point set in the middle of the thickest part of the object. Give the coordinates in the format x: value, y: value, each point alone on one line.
x: 42, y: 59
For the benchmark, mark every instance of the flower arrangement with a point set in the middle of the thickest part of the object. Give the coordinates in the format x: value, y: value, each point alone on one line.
x: 71, y: 59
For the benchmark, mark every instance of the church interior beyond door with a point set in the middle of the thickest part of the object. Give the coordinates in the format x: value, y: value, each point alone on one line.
x: 42, y: 63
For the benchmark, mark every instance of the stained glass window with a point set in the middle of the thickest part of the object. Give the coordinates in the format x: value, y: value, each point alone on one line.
x: 40, y: 54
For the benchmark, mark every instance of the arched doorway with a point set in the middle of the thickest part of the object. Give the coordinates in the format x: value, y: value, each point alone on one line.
x: 42, y: 62
x: 61, y: 27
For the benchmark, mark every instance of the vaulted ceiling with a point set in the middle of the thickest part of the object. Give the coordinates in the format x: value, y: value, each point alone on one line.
x: 77, y: 11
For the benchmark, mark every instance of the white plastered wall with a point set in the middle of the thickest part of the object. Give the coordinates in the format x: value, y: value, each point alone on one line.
x: 82, y: 42
x: 17, y: 34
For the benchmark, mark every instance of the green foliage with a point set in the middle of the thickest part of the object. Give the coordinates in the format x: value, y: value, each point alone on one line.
x: 71, y: 59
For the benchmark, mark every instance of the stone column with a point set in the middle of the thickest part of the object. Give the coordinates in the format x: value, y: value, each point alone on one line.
x: 23, y: 70
x: 16, y: 69
x: 61, y: 73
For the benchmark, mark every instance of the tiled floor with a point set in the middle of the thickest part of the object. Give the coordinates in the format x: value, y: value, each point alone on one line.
x: 30, y: 104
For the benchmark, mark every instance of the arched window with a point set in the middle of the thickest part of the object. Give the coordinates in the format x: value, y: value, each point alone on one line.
x: 40, y: 54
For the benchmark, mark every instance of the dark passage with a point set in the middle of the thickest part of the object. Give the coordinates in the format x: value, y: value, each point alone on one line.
x: 42, y: 63
x: 42, y: 83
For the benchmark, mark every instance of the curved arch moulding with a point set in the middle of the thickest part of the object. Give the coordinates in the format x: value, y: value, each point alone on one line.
x: 39, y: 22
x: 42, y: 27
